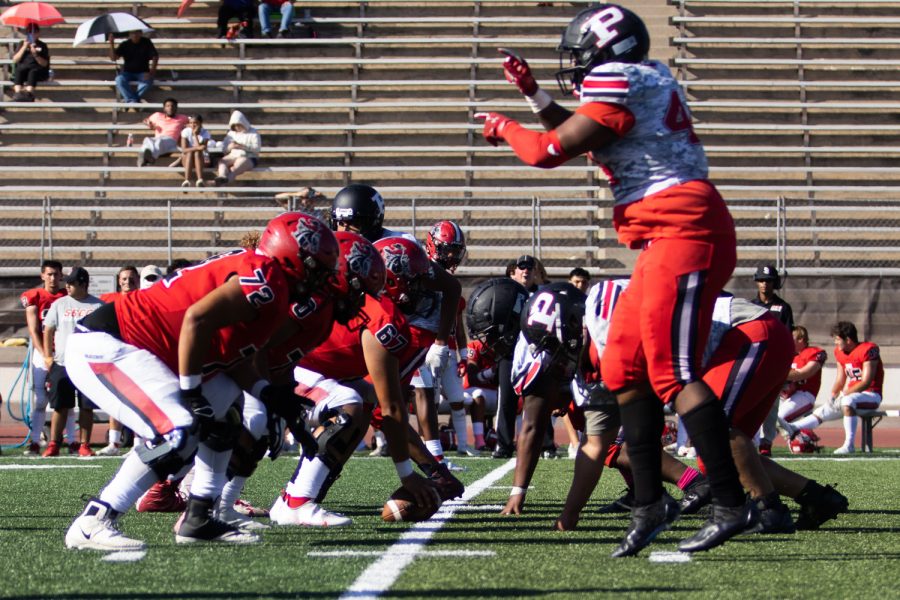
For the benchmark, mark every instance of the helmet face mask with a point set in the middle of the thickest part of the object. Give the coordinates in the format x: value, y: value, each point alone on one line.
x: 361, y: 272
x: 445, y: 244
x: 407, y: 269
x: 493, y: 314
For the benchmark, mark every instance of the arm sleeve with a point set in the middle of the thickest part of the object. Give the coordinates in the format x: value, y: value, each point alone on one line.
x: 612, y: 116
x: 535, y: 148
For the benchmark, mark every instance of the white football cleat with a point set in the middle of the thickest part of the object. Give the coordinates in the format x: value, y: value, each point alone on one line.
x: 467, y: 452
x: 845, y: 450
x: 97, y: 529
x: 241, y: 521
x: 308, y: 515
x: 109, y: 450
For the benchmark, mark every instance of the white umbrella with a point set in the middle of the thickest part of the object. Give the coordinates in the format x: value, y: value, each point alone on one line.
x: 97, y: 30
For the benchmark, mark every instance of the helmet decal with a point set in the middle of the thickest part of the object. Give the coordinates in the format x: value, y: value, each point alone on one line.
x: 307, y: 235
x: 396, y: 260
x: 359, y: 260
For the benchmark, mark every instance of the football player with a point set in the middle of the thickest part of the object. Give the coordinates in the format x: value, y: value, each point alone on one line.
x: 360, y: 208
x: 857, y: 384
x: 798, y: 397
x: 197, y: 323
x: 634, y: 121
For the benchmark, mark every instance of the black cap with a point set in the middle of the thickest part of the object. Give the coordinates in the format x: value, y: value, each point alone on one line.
x: 526, y: 261
x: 78, y: 275
x: 766, y: 273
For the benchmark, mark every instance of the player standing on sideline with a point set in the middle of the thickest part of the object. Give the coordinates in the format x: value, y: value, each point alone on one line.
x: 360, y: 208
x: 36, y: 302
x: 857, y: 384
x: 201, y: 321
x: 634, y: 121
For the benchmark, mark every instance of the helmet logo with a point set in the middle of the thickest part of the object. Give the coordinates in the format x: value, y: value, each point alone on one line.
x: 343, y: 213
x: 396, y: 259
x: 600, y: 25
x: 379, y: 201
x: 307, y: 235
x: 545, y: 311
x: 359, y: 261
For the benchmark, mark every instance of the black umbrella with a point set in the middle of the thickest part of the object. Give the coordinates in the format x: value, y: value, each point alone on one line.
x: 98, y: 29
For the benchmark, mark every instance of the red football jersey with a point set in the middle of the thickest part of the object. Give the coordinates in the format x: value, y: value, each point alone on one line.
x: 803, y: 358
x: 460, y: 309
x: 485, y: 359
x: 316, y: 318
x: 341, y: 355
x: 109, y: 297
x: 852, y: 364
x: 412, y: 357
x: 42, y: 299
x: 151, y: 318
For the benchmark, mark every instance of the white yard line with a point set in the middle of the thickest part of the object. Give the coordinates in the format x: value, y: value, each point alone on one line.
x: 381, y: 575
x: 124, y: 556
x: 15, y: 467
x: 422, y: 553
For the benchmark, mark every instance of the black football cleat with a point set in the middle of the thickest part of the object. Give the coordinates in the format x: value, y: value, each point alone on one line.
x: 197, y: 524
x: 647, y: 522
x: 623, y: 504
x: 724, y: 523
x: 774, y: 516
x: 819, y: 504
x: 696, y: 496
x: 500, y: 452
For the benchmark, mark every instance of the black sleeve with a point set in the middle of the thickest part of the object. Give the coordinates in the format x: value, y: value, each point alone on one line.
x: 787, y: 316
x: 151, y: 50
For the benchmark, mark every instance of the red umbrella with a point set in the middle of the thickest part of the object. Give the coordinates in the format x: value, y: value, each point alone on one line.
x: 31, y: 13
x: 185, y: 4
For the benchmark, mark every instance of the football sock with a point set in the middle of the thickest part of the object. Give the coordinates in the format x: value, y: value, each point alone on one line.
x: 115, y: 437
x: 71, y: 436
x: 437, y: 451
x: 687, y: 478
x: 38, y: 420
x: 849, y: 430
x: 478, y: 432
x: 380, y: 441
x: 308, y: 478
x: 807, y: 422
x: 128, y: 484
x: 459, y: 424
x: 209, y: 472
x: 708, y: 429
x: 231, y: 492
x: 642, y: 420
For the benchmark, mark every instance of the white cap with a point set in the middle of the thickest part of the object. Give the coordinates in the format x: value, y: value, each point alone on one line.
x: 150, y: 275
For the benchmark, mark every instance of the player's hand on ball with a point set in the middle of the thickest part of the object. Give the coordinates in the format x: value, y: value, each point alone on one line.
x: 518, y: 73
x: 422, y: 490
x: 494, y: 124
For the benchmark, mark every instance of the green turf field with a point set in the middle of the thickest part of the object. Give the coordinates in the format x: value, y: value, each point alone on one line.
x: 475, y: 553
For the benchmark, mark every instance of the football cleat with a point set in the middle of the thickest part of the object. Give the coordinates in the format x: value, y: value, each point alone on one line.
x: 502, y: 452
x: 33, y: 449
x: 245, y: 508
x: 774, y: 516
x: 197, y: 524
x: 308, y: 514
x: 239, y: 520
x: 51, y: 450
x: 622, y: 504
x: 109, y: 450
x: 724, y: 523
x: 97, y: 528
x: 845, y: 450
x: 696, y: 496
x: 647, y: 522
x: 163, y: 496
x: 819, y: 504
x: 765, y: 448
x: 85, y: 450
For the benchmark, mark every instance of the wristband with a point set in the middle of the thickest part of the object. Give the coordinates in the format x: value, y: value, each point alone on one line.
x: 189, y: 382
x: 258, y: 387
x: 539, y: 101
x: 517, y: 491
x: 404, y: 468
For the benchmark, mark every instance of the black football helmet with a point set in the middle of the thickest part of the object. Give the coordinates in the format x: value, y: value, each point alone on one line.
x: 597, y: 35
x: 361, y: 206
x: 553, y: 322
x: 492, y: 314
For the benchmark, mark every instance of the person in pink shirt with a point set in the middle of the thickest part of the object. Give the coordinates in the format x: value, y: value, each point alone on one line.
x: 167, y: 126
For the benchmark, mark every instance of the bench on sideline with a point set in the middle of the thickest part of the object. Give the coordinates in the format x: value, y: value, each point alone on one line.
x: 870, y: 418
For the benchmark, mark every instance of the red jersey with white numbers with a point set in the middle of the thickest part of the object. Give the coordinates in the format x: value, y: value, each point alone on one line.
x: 151, y: 318
x: 316, y: 319
x: 803, y: 358
x: 42, y: 299
x: 341, y: 355
x: 484, y: 359
x: 853, y: 363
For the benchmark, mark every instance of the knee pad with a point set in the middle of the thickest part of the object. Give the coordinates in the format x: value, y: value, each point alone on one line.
x: 338, y: 439
x: 220, y: 436
x: 246, y: 454
x: 170, y: 455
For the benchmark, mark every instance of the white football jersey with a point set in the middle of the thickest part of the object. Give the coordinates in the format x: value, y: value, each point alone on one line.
x: 661, y: 149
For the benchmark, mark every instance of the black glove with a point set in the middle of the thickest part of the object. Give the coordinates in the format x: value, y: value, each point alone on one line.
x: 282, y: 401
x: 276, y: 435
x: 197, y: 404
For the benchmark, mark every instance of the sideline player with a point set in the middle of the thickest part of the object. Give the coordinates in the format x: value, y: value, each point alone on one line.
x: 199, y: 322
x: 634, y: 121
x: 857, y: 384
x: 798, y: 397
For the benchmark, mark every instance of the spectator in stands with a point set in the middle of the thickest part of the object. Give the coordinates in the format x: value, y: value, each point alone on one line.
x: 32, y: 61
x: 857, y: 384
x: 139, y: 58
x: 59, y: 324
x: 194, y: 139
x: 306, y: 200
x: 243, y: 10
x: 241, y: 146
x: 167, y: 126
x: 150, y: 275
x: 581, y: 279
x: 266, y: 8
x: 767, y: 281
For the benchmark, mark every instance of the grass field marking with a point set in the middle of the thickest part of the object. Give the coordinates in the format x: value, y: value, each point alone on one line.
x: 15, y: 467
x: 124, y: 556
x: 381, y: 574
x: 422, y: 553
x: 662, y: 556
x: 505, y: 487
x: 862, y: 458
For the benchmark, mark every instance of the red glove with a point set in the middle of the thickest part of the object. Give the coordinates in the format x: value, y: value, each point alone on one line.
x: 494, y: 123
x: 518, y: 72
x: 461, y: 369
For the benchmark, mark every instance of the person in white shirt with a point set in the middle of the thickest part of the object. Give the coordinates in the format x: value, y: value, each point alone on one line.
x: 194, y: 139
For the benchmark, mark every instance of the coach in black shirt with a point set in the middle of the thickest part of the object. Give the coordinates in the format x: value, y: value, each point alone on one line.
x: 139, y: 65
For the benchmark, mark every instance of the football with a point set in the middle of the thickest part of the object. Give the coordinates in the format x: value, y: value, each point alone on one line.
x: 401, y: 506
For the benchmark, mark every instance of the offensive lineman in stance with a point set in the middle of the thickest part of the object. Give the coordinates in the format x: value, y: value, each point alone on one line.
x: 634, y: 121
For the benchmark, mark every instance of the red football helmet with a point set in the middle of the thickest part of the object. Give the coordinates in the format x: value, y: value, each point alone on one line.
x: 305, y: 248
x: 446, y: 244
x: 360, y: 271
x: 407, y: 268
x: 805, y: 442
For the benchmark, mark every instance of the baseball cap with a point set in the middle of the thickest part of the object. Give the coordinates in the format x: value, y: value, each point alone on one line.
x: 78, y: 275
x: 766, y: 273
x: 526, y: 261
x: 150, y: 275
